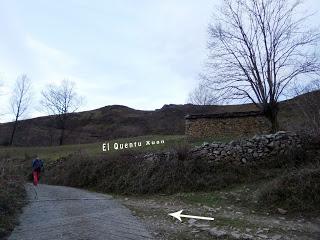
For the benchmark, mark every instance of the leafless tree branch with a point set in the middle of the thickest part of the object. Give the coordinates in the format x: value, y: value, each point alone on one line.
x: 20, y: 101
x: 257, y: 48
x: 60, y: 101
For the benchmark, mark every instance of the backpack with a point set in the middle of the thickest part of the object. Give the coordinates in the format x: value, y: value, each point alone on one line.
x: 37, y: 164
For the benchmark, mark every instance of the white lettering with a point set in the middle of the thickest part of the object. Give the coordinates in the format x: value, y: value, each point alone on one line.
x: 116, y: 146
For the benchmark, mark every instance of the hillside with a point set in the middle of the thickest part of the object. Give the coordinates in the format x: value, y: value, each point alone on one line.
x: 117, y: 121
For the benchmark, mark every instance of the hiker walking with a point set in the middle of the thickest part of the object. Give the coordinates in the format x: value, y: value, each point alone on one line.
x: 37, y: 168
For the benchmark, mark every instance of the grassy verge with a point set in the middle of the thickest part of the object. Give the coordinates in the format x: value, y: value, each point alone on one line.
x: 95, y: 149
x: 92, y: 149
x: 297, y: 191
x: 12, y: 195
x: 129, y: 173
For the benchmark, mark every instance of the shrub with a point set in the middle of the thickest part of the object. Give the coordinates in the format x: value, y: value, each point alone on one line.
x: 298, y: 190
x: 12, y: 194
x: 182, y: 150
x: 130, y: 173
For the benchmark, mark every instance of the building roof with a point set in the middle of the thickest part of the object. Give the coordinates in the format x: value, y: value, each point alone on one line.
x: 225, y: 115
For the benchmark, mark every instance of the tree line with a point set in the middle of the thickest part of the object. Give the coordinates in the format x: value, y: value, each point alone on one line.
x: 59, y: 101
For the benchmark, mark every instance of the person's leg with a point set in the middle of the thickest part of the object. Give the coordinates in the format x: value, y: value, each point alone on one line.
x: 38, y: 172
x: 35, y: 178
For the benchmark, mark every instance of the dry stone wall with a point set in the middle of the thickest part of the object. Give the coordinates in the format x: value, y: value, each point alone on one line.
x: 255, y: 150
x: 249, y: 150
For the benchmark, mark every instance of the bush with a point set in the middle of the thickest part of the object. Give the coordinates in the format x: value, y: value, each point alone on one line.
x: 295, y: 191
x: 182, y: 150
x: 129, y: 173
x: 12, y: 194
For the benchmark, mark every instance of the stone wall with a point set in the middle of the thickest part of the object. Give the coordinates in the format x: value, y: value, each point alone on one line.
x: 259, y: 149
x: 226, y: 125
x: 249, y: 150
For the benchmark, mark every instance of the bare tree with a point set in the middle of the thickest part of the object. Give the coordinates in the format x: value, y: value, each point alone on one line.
x: 20, y: 101
x: 60, y: 101
x: 202, y: 95
x: 257, y: 47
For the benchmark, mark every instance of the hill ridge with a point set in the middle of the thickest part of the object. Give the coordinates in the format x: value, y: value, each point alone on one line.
x: 118, y: 121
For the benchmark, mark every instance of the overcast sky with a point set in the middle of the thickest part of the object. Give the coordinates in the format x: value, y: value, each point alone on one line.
x: 142, y: 53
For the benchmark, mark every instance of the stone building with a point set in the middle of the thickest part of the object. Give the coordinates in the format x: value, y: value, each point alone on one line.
x: 229, y: 124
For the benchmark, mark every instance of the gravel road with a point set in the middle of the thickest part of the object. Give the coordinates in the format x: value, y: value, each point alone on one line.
x: 56, y: 212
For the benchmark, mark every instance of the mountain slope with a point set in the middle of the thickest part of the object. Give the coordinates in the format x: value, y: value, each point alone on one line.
x: 119, y: 121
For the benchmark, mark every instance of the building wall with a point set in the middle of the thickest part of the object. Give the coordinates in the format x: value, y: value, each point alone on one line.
x: 227, y: 126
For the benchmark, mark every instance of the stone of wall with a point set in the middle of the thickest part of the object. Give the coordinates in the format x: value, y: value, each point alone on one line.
x: 259, y: 149
x: 226, y: 125
x: 249, y: 150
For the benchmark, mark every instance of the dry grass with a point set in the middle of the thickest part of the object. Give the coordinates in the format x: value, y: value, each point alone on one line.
x: 298, y: 190
x: 92, y: 149
x: 129, y: 173
x: 12, y: 195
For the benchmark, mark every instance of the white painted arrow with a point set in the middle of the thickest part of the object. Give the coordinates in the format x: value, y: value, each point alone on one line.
x: 178, y: 216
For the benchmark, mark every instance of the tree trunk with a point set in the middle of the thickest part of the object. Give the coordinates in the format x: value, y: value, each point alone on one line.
x: 61, y: 121
x: 13, y: 132
x: 61, y: 136
x: 271, y: 113
x: 274, y: 123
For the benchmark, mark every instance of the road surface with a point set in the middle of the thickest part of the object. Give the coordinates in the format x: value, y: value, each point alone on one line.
x: 56, y: 212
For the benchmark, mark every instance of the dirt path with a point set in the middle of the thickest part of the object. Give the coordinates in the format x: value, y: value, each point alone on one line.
x: 56, y: 212
x: 232, y: 219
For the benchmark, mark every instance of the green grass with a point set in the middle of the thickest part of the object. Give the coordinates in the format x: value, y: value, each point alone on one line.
x: 95, y: 149
x: 210, y: 199
x: 92, y: 149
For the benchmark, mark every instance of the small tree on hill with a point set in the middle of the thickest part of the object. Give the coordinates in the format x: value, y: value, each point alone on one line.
x: 202, y: 95
x: 257, y: 47
x: 60, y: 101
x: 20, y: 101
